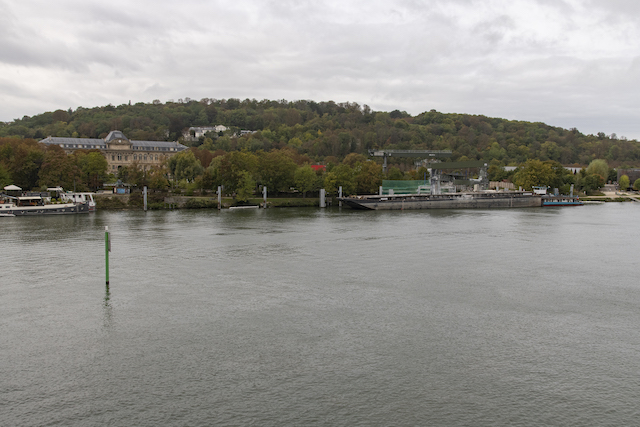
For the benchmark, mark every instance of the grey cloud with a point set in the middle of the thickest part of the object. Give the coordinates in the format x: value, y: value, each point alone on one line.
x: 454, y: 55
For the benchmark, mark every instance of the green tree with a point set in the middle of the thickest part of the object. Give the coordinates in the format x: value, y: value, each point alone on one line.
x: 368, y: 177
x: 23, y: 159
x: 277, y: 170
x: 423, y: 173
x: 624, y: 182
x: 534, y: 173
x: 133, y: 174
x: 230, y: 166
x: 94, y: 168
x: 187, y: 166
x: 5, y: 178
x: 599, y: 167
x: 495, y: 151
x: 157, y: 179
x: 561, y: 176
x: 636, y: 185
x: 209, y: 178
x: 353, y: 158
x: 549, y: 150
x: 592, y: 182
x: 395, y: 174
x: 341, y: 175
x: 305, y: 179
x: 246, y: 185
x: 59, y: 169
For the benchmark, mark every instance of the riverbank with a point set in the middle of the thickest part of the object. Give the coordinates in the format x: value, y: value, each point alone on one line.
x: 168, y: 201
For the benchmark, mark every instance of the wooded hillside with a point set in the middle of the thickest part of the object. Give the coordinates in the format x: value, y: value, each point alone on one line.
x: 321, y: 130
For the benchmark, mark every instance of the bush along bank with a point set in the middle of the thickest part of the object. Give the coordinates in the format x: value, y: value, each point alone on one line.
x: 167, y: 201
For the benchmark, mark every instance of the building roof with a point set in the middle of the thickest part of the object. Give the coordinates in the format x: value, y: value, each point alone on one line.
x: 101, y: 144
x: 115, y: 134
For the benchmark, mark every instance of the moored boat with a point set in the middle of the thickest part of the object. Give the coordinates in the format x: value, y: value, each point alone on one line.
x: 561, y: 201
x: 38, y: 205
x: 556, y: 199
x: 74, y: 197
x: 471, y: 200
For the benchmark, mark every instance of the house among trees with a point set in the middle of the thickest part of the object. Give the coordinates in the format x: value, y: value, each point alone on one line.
x: 120, y: 151
x: 196, y: 132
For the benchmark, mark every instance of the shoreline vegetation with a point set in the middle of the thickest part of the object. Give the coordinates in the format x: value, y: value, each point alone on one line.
x: 171, y: 201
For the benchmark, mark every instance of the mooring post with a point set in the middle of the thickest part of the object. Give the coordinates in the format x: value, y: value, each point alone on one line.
x: 264, y: 194
x: 380, y: 190
x: 340, y: 196
x: 219, y: 197
x: 322, y: 198
x: 107, y: 249
x: 144, y: 196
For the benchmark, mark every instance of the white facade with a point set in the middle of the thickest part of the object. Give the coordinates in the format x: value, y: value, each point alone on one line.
x: 196, y: 132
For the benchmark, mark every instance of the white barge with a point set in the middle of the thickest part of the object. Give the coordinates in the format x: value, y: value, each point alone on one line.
x: 39, y: 205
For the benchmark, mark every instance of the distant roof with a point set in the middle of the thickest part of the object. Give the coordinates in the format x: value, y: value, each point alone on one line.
x: 102, y: 143
x: 115, y: 134
x: 64, y: 140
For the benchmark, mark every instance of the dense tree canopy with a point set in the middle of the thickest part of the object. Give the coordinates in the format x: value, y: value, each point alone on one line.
x: 58, y: 169
x: 287, y: 135
x: 322, y: 129
x: 534, y: 173
x: 277, y: 170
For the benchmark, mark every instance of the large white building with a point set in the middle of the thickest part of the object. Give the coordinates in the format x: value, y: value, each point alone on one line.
x: 120, y: 151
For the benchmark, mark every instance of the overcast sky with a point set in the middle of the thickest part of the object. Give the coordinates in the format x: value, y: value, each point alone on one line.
x: 568, y: 63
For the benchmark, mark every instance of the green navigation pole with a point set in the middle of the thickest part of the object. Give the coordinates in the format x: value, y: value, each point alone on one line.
x: 107, y: 249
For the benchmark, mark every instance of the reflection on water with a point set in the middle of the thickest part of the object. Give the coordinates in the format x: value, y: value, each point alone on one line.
x: 309, y: 316
x: 108, y: 309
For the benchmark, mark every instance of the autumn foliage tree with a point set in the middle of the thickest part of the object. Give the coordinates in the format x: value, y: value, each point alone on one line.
x: 59, y: 169
x: 22, y: 159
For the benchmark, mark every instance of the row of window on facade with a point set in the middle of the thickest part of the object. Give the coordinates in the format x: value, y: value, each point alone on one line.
x: 144, y: 167
x: 79, y: 146
x: 138, y: 157
x: 102, y: 147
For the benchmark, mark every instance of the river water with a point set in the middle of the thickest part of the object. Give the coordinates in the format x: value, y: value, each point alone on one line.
x: 290, y: 317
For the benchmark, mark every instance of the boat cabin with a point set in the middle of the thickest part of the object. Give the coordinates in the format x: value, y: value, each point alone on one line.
x: 29, y: 201
x: 539, y: 190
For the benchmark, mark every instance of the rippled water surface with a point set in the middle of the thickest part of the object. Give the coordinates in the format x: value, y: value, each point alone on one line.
x: 322, y: 317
